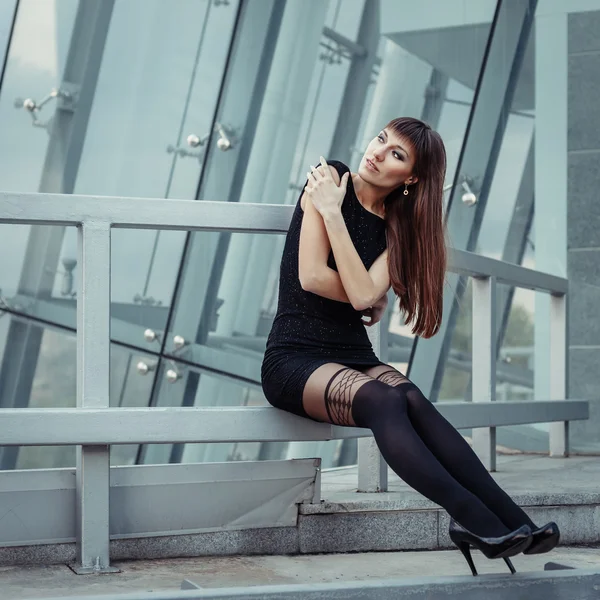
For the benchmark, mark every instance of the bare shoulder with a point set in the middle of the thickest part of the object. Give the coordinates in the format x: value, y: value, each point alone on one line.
x: 335, y: 176
x: 333, y: 171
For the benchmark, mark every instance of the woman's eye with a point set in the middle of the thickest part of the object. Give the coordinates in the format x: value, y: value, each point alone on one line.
x: 398, y: 156
x: 380, y: 138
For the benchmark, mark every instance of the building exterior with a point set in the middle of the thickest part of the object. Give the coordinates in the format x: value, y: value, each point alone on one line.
x: 231, y: 100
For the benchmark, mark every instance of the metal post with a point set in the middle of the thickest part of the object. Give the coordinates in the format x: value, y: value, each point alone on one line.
x: 484, y: 363
x: 372, y: 469
x: 93, y: 354
x: 559, y: 432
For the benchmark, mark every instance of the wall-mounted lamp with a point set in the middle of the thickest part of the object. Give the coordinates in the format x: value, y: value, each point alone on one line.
x: 468, y: 197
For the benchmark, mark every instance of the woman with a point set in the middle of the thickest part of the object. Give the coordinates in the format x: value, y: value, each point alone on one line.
x: 353, y: 235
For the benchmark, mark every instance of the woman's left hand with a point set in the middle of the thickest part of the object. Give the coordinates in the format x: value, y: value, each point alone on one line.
x: 373, y: 314
x: 326, y: 195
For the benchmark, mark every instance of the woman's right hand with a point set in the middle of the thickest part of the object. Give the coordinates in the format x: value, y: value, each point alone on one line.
x: 326, y: 195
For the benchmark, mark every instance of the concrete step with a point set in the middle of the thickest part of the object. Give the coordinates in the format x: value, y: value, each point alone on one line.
x: 549, y: 489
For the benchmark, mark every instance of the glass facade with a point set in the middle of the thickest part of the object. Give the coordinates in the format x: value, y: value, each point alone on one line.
x: 231, y: 100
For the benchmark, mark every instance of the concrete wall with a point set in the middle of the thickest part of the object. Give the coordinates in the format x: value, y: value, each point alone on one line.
x: 583, y: 225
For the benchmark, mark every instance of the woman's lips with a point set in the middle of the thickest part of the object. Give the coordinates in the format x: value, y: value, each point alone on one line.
x: 371, y: 166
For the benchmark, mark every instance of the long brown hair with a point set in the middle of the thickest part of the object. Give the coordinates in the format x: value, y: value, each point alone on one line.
x: 416, y: 230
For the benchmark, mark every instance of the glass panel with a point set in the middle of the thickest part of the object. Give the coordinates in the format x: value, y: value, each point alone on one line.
x: 53, y: 385
x: 516, y: 369
x: 491, y: 205
x: 172, y: 80
x: 34, y: 65
x: 7, y: 12
x: 454, y: 117
x: 344, y: 17
x: 456, y: 382
x: 182, y: 385
x: 36, y: 59
x: 143, y: 113
x: 508, y: 178
x: 132, y: 379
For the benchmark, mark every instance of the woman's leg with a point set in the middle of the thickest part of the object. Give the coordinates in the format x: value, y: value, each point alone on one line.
x: 451, y: 449
x: 343, y: 396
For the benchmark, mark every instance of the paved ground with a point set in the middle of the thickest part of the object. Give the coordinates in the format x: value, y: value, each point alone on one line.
x: 59, y: 580
x: 534, y: 479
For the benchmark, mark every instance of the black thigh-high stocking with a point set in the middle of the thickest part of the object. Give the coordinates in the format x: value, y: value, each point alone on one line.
x: 383, y: 409
x: 454, y: 453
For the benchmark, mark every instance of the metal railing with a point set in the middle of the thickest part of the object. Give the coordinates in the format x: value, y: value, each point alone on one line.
x: 93, y: 426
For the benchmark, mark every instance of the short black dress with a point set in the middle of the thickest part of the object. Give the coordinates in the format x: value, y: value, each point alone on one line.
x: 308, y: 330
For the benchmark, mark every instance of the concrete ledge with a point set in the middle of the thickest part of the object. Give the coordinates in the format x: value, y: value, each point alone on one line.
x: 366, y: 532
x: 246, y: 542
x: 576, y: 584
x: 369, y: 502
x: 330, y: 532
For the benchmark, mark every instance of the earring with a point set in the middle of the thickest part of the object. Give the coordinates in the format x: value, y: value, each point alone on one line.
x: 406, y: 189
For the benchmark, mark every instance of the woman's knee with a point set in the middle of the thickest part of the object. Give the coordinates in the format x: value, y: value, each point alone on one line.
x: 381, y: 397
x: 416, y: 401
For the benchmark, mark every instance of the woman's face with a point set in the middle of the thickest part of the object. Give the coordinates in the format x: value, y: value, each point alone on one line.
x: 388, y: 161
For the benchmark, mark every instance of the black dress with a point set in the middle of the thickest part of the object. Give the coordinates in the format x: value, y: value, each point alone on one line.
x: 308, y: 330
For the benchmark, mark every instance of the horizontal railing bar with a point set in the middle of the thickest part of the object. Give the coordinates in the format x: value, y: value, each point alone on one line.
x: 190, y: 215
x: 144, y: 213
x: 109, y: 426
x: 476, y: 265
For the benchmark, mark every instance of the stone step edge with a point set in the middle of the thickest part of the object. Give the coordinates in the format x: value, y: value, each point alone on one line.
x: 413, y: 501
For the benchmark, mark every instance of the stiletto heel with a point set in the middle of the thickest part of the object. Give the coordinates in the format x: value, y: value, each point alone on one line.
x: 510, y: 565
x: 492, y: 547
x: 466, y: 550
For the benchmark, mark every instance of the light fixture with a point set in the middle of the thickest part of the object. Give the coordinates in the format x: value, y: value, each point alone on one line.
x: 468, y: 198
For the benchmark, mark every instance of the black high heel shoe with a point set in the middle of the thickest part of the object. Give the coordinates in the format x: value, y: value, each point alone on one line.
x: 492, y: 547
x: 544, y: 539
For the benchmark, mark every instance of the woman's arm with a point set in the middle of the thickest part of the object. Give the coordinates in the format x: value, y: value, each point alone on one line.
x: 363, y: 288
x: 315, y: 275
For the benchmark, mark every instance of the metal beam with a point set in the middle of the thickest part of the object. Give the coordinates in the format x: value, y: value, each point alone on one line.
x: 107, y: 426
x: 485, y: 130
